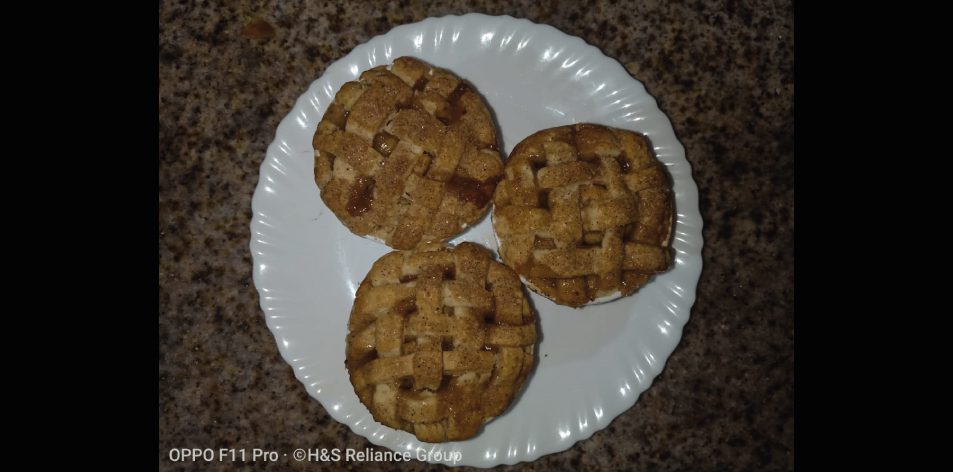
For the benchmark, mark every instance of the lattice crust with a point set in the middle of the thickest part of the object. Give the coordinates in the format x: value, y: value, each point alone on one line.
x: 584, y: 211
x: 440, y: 340
x: 407, y: 154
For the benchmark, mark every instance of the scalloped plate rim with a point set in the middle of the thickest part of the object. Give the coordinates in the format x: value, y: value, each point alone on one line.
x: 689, y: 218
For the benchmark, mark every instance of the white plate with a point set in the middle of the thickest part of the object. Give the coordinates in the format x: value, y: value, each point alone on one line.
x: 594, y: 363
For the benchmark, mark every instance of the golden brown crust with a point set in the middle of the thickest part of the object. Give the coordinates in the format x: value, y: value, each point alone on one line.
x: 408, y: 154
x: 440, y: 340
x: 584, y: 211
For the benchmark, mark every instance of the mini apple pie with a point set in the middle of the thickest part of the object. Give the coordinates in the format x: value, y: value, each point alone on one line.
x: 584, y: 212
x: 407, y: 154
x: 440, y: 340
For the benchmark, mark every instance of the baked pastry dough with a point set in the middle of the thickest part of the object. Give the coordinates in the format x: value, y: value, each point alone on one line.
x: 584, y: 212
x: 440, y: 340
x: 408, y: 153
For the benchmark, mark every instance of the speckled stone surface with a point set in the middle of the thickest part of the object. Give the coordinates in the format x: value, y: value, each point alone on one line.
x: 722, y: 71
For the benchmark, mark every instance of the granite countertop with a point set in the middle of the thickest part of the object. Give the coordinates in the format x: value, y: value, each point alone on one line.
x: 722, y: 71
